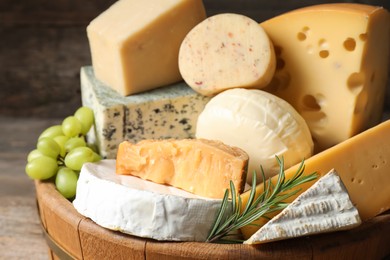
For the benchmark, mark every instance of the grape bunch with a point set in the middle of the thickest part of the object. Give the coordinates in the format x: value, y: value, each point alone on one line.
x: 61, y: 152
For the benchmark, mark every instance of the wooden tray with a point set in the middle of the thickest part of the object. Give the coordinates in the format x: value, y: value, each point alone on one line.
x: 70, y: 235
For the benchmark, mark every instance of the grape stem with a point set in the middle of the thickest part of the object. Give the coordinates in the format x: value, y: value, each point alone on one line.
x: 60, y: 161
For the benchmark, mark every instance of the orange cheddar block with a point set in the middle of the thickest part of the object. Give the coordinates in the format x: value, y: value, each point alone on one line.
x: 200, y: 166
x: 363, y: 163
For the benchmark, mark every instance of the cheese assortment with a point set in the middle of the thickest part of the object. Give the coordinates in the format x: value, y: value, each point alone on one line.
x: 261, y: 124
x: 324, y: 207
x: 322, y: 71
x: 142, y: 208
x: 135, y: 44
x: 167, y: 112
x: 243, y: 50
x: 200, y: 166
x: 332, y: 67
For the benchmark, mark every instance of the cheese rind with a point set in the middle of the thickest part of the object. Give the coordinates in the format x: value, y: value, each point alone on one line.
x: 332, y: 67
x: 168, y: 112
x: 324, y: 207
x: 261, y: 124
x: 203, y: 167
x: 135, y: 44
x: 226, y: 51
x: 142, y: 208
x: 363, y: 165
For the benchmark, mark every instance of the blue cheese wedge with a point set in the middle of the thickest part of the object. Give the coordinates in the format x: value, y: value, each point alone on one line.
x: 167, y: 112
x: 324, y: 207
x: 142, y: 208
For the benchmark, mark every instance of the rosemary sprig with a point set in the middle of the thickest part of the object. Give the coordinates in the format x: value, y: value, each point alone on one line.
x: 270, y: 200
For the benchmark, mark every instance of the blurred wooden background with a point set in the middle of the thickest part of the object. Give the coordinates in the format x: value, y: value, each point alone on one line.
x: 43, y: 44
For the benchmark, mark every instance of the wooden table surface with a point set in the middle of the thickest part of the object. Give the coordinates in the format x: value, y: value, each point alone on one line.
x: 20, y: 231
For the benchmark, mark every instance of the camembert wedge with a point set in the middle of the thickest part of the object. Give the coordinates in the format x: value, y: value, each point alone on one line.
x: 324, y: 207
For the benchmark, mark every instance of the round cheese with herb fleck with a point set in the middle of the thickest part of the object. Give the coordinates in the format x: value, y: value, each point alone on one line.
x: 226, y: 51
x: 261, y: 124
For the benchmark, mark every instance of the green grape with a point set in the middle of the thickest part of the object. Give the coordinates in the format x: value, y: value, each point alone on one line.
x: 71, y: 126
x: 74, y: 142
x: 61, y: 141
x: 96, y: 157
x: 33, y: 155
x: 66, y: 182
x: 48, y: 147
x: 42, y: 168
x: 78, y: 156
x: 93, y: 147
x: 52, y: 132
x: 86, y: 117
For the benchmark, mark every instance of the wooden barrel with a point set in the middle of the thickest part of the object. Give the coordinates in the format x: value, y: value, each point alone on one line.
x: 70, y: 235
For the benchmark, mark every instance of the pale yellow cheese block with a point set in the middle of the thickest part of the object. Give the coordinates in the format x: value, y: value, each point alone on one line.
x: 226, y: 51
x: 363, y: 164
x: 135, y: 44
x: 332, y: 66
x: 200, y: 166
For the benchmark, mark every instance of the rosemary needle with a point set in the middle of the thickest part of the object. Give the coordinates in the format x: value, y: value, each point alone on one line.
x: 270, y: 200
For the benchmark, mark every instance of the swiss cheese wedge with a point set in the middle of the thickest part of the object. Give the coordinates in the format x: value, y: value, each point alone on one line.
x: 363, y: 164
x: 332, y: 67
x: 200, y: 166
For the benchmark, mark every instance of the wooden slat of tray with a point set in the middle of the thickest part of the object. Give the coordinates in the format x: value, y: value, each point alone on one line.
x: 61, y: 220
x: 294, y: 249
x: 81, y: 238
x: 368, y: 241
x: 100, y: 243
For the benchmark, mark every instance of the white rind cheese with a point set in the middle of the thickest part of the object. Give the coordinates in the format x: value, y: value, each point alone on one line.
x: 142, y: 208
x: 261, y: 124
x: 167, y: 112
x: 324, y: 207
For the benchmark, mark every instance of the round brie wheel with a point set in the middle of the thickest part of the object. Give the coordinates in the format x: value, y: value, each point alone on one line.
x: 226, y: 51
x: 142, y: 208
x: 263, y: 125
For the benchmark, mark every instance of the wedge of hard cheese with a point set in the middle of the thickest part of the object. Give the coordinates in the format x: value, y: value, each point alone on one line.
x: 363, y: 163
x: 324, y: 207
x: 142, y: 208
x: 332, y: 67
x: 200, y: 166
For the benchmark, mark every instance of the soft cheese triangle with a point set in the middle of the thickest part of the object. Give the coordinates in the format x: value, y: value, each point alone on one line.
x: 261, y: 124
x: 324, y: 207
x: 142, y: 208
